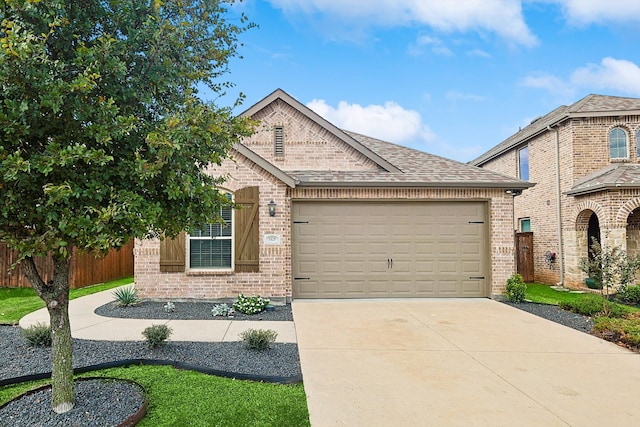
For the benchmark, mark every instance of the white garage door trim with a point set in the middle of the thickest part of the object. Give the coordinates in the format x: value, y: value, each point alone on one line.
x: 371, y: 249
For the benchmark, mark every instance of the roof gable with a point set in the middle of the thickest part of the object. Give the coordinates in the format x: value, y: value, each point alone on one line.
x: 589, y: 106
x: 324, y: 127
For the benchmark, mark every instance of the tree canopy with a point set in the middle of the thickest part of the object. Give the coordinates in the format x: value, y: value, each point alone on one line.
x: 103, y: 133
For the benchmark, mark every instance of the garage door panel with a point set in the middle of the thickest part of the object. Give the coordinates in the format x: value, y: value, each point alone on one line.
x: 345, y: 248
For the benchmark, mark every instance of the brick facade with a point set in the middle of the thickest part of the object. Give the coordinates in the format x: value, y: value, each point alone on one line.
x: 583, y: 150
x: 308, y: 146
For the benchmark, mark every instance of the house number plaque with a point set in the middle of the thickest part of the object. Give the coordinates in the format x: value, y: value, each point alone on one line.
x: 272, y: 239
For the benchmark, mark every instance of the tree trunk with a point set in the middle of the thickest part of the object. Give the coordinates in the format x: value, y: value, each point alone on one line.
x: 56, y: 296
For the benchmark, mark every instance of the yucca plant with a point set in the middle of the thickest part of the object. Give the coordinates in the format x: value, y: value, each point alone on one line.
x: 126, y: 297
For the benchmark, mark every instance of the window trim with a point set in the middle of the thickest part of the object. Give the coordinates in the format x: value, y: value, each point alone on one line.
x: 626, y: 143
x: 231, y: 238
x: 526, y: 147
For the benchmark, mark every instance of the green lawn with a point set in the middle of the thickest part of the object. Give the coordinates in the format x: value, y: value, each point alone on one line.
x: 186, y: 398
x: 178, y: 398
x: 545, y: 294
x: 18, y: 302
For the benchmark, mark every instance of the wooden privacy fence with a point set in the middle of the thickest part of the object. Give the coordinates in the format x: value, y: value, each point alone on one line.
x: 85, y: 268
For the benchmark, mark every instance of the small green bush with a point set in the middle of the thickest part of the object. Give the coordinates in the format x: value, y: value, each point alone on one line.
x: 38, y: 335
x: 126, y: 297
x: 593, y: 305
x: 156, y: 335
x: 625, y: 330
x: 258, y: 339
x: 250, y: 305
x: 631, y: 294
x: 221, y: 310
x: 516, y: 289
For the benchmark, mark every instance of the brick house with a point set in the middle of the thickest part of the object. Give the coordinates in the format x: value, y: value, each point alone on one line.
x: 328, y: 213
x: 585, y: 161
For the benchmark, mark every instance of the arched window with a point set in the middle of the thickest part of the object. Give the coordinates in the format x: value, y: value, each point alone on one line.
x: 618, y: 144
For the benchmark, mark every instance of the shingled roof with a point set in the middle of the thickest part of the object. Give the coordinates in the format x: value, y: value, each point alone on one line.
x: 417, y: 169
x: 397, y: 166
x: 612, y: 177
x: 589, y: 106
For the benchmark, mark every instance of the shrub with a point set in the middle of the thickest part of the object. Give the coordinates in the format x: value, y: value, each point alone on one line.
x: 592, y: 305
x: 250, y: 305
x: 169, y: 307
x: 126, y: 297
x: 38, y: 335
x: 156, y: 335
x: 626, y: 331
x: 221, y: 310
x: 516, y: 289
x: 631, y: 294
x: 258, y: 339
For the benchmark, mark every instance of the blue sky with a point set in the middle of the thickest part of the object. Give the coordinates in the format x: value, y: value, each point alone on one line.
x: 449, y: 77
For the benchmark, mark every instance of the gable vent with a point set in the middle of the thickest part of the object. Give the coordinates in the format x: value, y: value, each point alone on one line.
x: 278, y: 139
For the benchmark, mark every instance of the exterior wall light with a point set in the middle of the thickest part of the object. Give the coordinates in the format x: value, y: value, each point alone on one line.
x: 272, y: 208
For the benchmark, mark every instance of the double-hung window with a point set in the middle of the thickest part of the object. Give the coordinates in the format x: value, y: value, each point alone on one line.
x: 211, y: 247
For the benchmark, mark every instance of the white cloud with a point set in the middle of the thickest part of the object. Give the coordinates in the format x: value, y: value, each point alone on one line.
x: 389, y: 122
x: 584, y: 12
x: 618, y: 74
x: 479, y: 53
x: 502, y: 17
x: 434, y: 44
x: 548, y: 82
x: 610, y: 75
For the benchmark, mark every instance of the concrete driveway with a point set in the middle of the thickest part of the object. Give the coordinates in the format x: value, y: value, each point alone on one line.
x: 464, y: 362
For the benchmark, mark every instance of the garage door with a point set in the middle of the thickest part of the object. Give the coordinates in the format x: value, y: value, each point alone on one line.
x: 389, y: 249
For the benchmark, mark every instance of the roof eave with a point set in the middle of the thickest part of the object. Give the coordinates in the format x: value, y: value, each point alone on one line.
x: 416, y: 184
x: 602, y: 187
x: 266, y: 165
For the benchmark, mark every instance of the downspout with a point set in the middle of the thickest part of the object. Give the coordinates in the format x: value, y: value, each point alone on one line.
x: 559, y: 207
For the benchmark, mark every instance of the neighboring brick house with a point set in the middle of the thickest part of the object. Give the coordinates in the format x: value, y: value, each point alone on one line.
x: 585, y: 162
x: 333, y: 214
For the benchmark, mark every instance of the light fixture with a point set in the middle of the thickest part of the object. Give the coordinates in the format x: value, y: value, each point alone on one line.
x: 514, y: 192
x: 272, y: 208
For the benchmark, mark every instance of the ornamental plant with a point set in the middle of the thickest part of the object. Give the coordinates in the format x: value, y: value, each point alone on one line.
x: 38, y: 335
x: 250, y: 305
x: 169, y: 307
x: 126, y: 297
x: 258, y: 339
x: 516, y: 289
x: 156, y: 335
x: 221, y: 310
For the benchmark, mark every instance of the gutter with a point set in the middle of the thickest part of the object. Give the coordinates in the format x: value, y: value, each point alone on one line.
x: 558, y: 202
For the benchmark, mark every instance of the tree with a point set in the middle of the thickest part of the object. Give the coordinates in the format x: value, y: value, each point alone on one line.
x: 103, y: 136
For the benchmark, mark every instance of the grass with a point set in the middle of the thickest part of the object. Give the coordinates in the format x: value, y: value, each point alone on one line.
x: 186, y: 398
x: 621, y: 325
x: 545, y: 294
x: 18, y: 302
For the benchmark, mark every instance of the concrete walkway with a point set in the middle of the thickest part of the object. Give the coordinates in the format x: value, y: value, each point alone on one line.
x: 85, y: 324
x: 458, y: 362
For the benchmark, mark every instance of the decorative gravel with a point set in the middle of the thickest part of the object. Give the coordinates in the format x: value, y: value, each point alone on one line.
x: 99, y: 403
x: 189, y: 310
x: 21, y: 359
x: 556, y: 314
